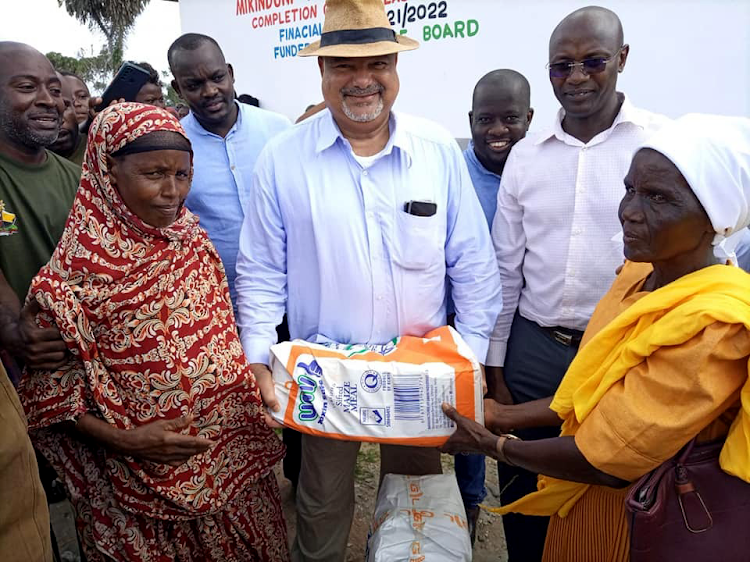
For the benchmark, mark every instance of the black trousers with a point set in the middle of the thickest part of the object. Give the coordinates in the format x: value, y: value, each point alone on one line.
x: 534, y: 366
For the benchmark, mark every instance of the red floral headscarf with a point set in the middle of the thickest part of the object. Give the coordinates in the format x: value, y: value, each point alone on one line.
x: 147, y: 316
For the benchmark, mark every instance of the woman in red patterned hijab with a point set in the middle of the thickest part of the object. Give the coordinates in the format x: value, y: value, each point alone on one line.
x: 155, y: 422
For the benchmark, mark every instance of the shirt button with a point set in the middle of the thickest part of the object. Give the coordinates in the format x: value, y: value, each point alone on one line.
x: 364, y: 172
x: 380, y: 297
x: 232, y: 167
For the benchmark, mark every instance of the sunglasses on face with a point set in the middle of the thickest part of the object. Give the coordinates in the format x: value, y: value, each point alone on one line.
x: 594, y: 65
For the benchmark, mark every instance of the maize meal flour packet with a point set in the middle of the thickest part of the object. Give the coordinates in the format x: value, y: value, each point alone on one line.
x: 388, y: 393
x: 419, y: 518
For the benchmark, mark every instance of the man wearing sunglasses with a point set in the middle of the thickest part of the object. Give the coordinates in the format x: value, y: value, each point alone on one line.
x: 553, y: 233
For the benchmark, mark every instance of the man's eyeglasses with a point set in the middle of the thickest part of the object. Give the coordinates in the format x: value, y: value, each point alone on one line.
x: 590, y: 66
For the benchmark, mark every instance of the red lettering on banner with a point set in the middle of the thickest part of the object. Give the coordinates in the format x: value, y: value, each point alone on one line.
x: 252, y: 6
x: 284, y: 17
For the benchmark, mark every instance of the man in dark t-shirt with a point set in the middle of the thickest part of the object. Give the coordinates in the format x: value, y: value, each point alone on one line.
x: 37, y: 187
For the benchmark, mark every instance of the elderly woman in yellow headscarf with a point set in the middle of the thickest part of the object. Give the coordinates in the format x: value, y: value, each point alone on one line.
x: 664, y: 358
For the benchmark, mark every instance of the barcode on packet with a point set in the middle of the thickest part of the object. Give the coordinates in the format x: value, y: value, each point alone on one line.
x: 407, y: 397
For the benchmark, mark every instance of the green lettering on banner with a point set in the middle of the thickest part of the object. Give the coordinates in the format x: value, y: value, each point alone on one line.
x: 460, y: 29
x: 456, y: 30
x: 473, y: 24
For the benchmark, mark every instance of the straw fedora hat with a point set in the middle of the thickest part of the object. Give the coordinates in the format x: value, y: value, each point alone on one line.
x: 357, y: 28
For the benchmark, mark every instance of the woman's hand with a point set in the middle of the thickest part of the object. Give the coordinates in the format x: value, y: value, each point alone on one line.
x: 162, y: 442
x: 469, y: 437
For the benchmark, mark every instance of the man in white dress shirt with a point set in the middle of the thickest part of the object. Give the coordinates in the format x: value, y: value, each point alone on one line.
x: 359, y: 220
x: 554, y: 227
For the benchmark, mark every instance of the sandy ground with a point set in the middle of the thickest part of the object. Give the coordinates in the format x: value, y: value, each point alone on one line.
x: 489, y: 547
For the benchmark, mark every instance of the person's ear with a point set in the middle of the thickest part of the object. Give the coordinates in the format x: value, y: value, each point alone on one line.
x: 529, y: 117
x: 176, y: 88
x: 113, y: 167
x: 321, y: 65
x: 471, y: 118
x: 622, y: 59
x: 231, y: 71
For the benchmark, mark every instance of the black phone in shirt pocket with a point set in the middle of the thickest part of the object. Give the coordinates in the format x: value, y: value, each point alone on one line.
x: 420, y: 208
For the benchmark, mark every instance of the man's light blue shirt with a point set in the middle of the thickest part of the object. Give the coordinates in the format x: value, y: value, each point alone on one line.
x: 486, y: 183
x: 222, y: 174
x: 329, y: 241
x: 743, y: 251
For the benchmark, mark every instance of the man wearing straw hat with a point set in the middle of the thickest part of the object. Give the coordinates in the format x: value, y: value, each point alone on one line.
x: 359, y: 219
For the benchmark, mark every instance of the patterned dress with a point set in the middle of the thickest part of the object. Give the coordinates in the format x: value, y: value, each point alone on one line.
x: 147, y: 317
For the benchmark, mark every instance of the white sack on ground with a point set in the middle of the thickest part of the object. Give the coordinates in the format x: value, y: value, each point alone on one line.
x: 419, y: 518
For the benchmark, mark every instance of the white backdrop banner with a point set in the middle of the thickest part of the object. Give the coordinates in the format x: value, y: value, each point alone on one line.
x: 686, y: 55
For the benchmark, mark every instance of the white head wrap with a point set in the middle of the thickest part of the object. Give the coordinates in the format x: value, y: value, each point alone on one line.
x: 713, y: 154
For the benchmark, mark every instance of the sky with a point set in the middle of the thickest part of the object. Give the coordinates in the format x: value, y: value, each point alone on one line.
x: 46, y: 26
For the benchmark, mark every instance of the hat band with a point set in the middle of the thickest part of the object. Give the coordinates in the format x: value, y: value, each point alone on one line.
x: 357, y: 36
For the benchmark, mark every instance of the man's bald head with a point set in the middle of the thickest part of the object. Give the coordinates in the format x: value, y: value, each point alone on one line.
x: 591, y: 21
x: 586, y: 55
x: 15, y: 55
x: 30, y: 100
x: 500, y: 116
x: 503, y: 82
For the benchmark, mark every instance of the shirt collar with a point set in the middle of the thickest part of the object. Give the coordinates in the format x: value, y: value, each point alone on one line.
x: 628, y: 114
x: 472, y: 157
x: 329, y: 133
x: 191, y: 122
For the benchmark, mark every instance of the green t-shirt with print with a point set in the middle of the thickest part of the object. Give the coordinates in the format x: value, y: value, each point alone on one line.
x: 38, y: 198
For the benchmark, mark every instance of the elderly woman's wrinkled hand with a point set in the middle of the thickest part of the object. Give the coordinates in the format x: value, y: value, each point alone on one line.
x: 469, y: 437
x: 161, y: 442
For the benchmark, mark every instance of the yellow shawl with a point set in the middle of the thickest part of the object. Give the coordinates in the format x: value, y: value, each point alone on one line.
x: 669, y: 316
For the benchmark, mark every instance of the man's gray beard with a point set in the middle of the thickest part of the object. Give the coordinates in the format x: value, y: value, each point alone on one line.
x: 364, y: 117
x: 16, y: 130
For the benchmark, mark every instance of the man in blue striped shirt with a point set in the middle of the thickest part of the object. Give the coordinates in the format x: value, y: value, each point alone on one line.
x: 361, y: 220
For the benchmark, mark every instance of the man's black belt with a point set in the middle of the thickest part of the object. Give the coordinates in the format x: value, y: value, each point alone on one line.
x: 565, y: 336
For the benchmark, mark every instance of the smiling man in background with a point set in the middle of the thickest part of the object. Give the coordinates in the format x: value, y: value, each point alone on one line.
x: 500, y: 117
x: 36, y: 185
x: 554, y: 228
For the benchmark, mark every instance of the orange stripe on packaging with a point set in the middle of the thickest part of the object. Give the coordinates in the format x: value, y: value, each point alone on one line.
x: 388, y: 393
